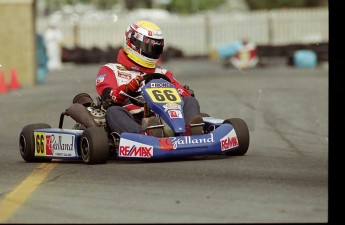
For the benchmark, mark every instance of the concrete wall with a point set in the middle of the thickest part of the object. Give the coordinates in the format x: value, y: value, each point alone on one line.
x: 18, y: 40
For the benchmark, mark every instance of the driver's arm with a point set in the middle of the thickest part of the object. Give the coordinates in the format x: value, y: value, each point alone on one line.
x: 108, y: 88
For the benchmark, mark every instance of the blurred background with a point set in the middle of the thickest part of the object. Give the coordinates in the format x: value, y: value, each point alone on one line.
x: 91, y: 31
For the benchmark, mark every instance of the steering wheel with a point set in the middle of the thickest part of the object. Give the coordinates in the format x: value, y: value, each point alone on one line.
x: 146, y: 78
x: 150, y: 76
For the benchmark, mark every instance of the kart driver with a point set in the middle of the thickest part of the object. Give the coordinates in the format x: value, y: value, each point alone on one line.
x: 141, y: 50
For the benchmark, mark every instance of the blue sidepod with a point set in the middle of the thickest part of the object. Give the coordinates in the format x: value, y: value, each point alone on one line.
x: 137, y: 146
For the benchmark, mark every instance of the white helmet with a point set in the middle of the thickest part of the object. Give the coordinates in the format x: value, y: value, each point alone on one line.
x: 143, y: 43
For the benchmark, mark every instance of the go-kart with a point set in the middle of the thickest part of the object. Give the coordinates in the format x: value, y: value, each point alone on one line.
x: 90, y: 140
x: 244, y: 59
x: 239, y: 55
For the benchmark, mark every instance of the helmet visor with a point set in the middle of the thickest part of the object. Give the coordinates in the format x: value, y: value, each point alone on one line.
x: 150, y: 47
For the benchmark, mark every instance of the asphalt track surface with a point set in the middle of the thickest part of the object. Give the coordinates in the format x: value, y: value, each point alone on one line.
x: 283, y: 178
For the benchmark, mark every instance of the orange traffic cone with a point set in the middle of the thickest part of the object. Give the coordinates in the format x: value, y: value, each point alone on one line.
x: 14, y: 85
x: 3, y: 87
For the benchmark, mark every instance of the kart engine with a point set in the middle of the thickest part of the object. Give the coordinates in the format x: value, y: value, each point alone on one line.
x: 98, y: 115
x: 96, y: 111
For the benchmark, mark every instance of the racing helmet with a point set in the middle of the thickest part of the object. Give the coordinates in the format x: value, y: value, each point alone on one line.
x: 143, y: 43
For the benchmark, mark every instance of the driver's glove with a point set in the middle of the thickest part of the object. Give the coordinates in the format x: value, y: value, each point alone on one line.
x: 134, y: 84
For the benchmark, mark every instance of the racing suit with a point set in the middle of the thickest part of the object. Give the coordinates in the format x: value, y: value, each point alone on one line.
x: 121, y: 115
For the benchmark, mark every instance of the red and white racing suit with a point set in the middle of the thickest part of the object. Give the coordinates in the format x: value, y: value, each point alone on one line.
x: 113, y: 77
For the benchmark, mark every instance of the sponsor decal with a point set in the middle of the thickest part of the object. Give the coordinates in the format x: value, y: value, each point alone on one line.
x: 100, y: 78
x: 180, y: 90
x: 49, y: 145
x: 229, y: 141
x: 130, y: 148
x: 157, y: 33
x: 165, y: 144
x: 53, y: 144
x: 172, y: 143
x: 160, y: 85
x: 135, y: 68
x: 120, y: 67
x: 171, y: 105
x: 124, y: 76
x: 112, y: 95
x: 173, y: 113
x: 161, y: 71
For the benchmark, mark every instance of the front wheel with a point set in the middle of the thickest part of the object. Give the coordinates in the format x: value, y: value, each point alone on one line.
x: 94, y: 144
x: 242, y: 133
x: 27, y: 142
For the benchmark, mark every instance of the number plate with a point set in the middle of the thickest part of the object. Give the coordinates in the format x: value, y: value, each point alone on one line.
x: 163, y: 95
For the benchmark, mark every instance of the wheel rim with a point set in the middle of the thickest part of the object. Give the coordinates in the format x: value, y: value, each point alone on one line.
x: 22, y: 144
x: 85, y: 148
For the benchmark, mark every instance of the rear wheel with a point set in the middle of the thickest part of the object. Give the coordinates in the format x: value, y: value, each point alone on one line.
x: 242, y: 133
x: 94, y: 145
x: 27, y: 142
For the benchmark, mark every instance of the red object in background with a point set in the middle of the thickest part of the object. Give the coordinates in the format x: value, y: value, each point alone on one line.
x: 3, y: 87
x: 14, y: 85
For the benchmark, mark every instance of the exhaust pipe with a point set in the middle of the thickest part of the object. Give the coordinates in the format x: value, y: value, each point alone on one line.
x: 79, y: 113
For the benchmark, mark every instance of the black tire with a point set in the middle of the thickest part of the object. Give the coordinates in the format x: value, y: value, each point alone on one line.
x: 242, y: 133
x: 27, y: 142
x: 94, y: 145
